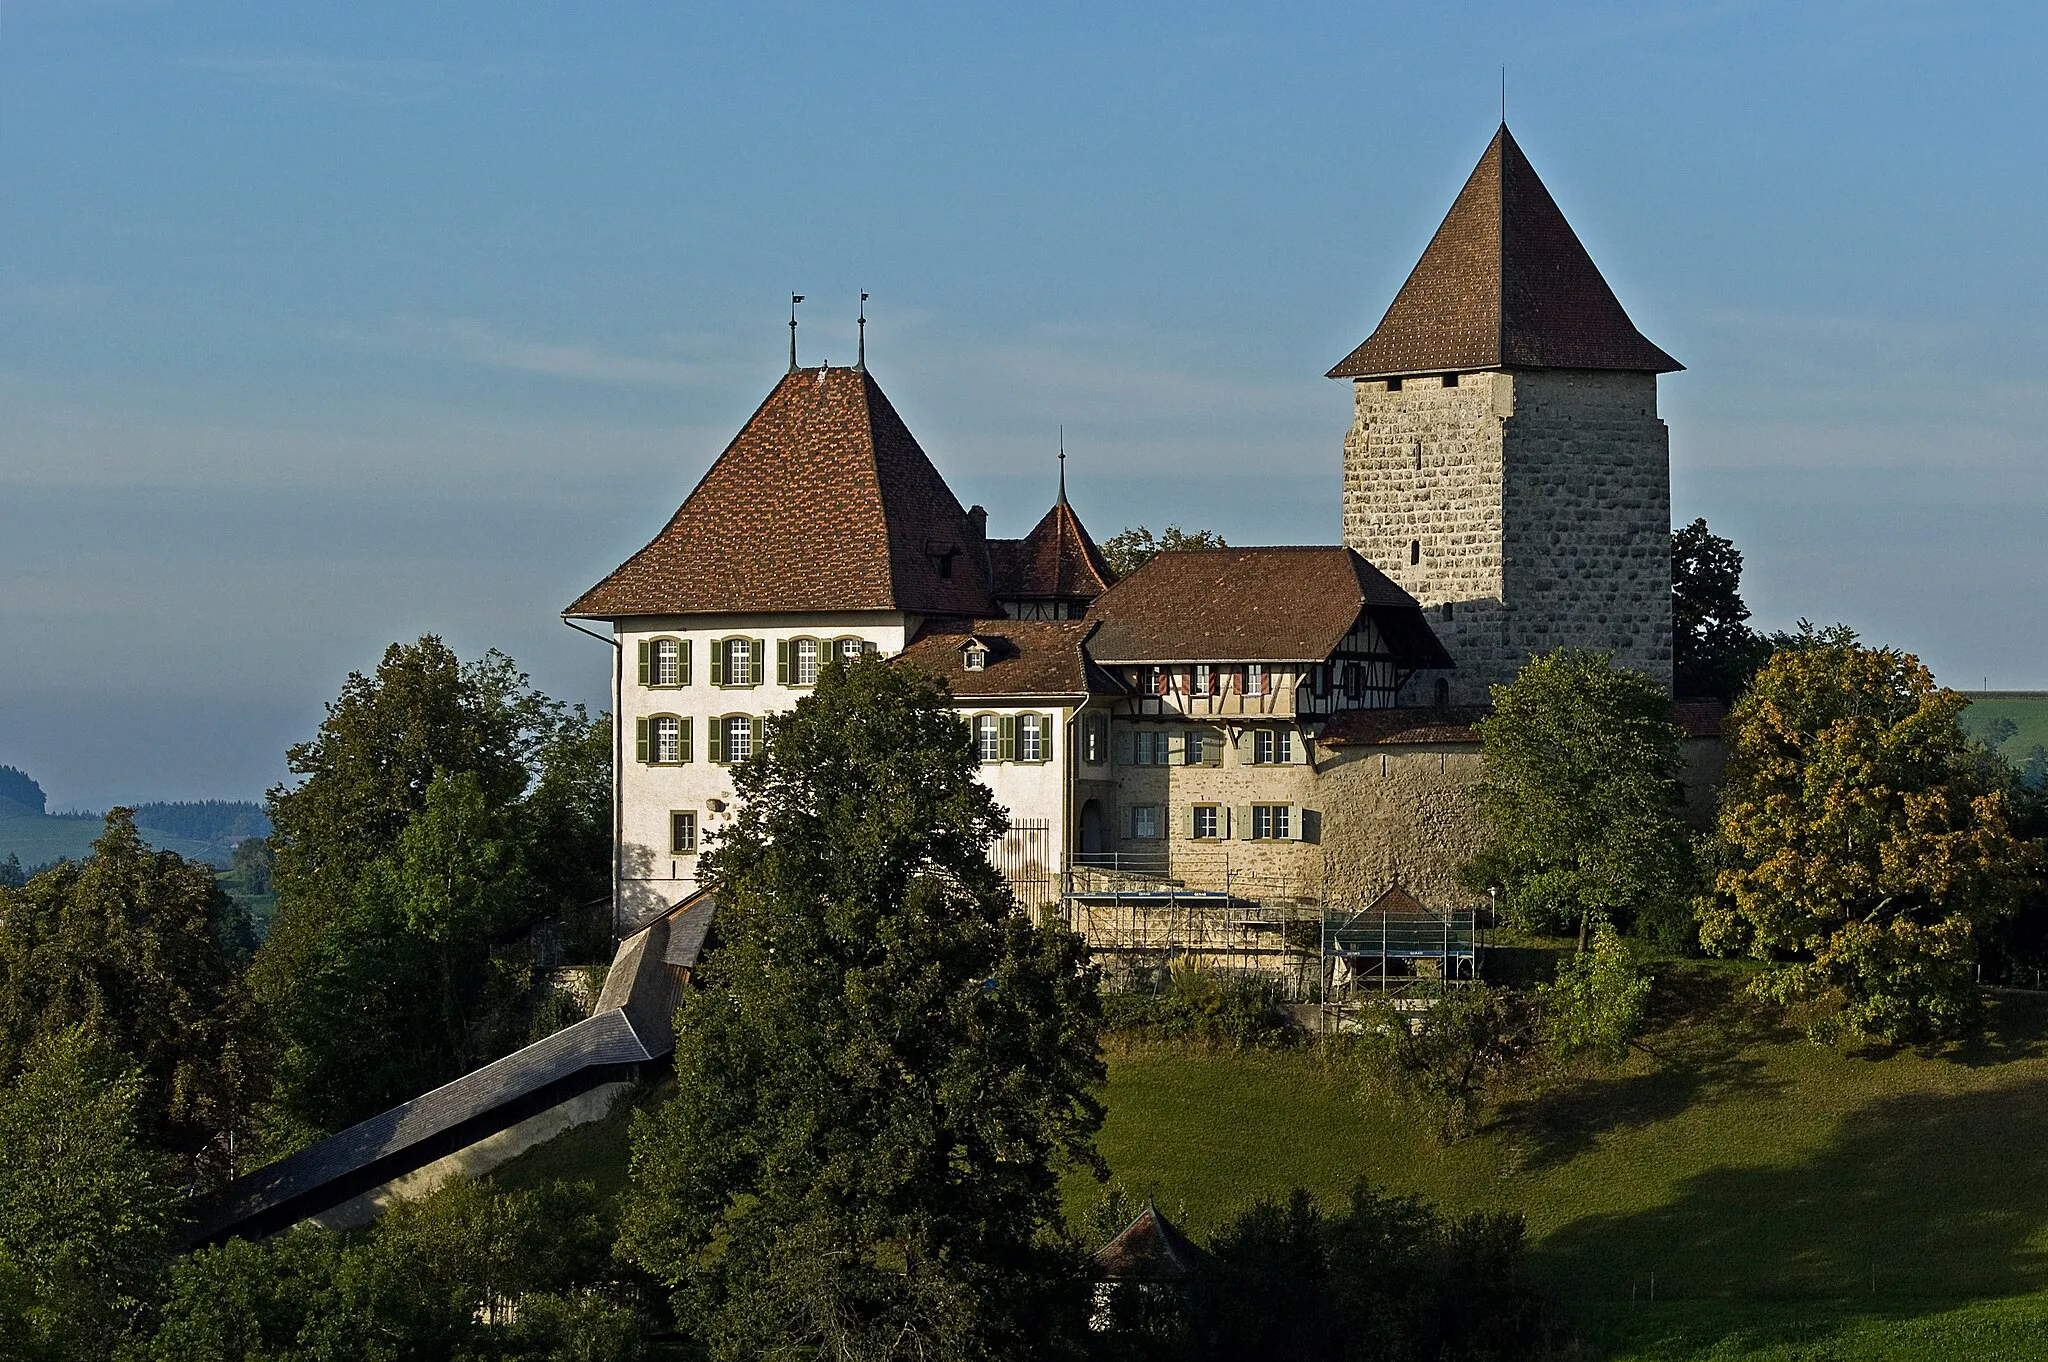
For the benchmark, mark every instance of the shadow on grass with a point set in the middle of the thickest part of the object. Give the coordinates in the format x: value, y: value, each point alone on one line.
x: 1701, y: 1029
x: 1934, y: 1199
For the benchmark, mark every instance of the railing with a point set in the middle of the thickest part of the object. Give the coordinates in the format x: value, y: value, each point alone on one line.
x: 1024, y: 855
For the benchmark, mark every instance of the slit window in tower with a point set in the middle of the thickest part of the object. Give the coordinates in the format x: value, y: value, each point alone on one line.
x: 1414, y: 551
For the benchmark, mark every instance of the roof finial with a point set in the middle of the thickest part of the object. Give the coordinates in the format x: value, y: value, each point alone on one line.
x: 1063, y: 465
x: 794, y: 299
x: 862, y: 365
x: 1503, y: 96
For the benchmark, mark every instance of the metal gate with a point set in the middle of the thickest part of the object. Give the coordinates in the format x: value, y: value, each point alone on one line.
x: 1024, y: 855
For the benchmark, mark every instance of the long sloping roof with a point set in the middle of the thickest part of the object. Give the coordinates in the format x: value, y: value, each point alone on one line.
x: 1056, y: 561
x: 1025, y: 658
x: 1255, y: 605
x: 1505, y: 283
x: 823, y: 501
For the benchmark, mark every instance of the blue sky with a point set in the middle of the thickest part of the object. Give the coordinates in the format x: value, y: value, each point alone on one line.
x: 324, y: 326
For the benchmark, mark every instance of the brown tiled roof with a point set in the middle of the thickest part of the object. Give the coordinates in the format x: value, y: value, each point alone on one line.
x: 1396, y: 727
x: 1255, y: 605
x: 1505, y: 283
x: 823, y: 501
x: 1150, y: 1249
x: 1026, y: 657
x: 1057, y: 560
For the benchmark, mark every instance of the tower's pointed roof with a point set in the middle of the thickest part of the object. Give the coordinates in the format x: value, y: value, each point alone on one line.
x: 823, y: 501
x: 1058, y: 560
x: 1505, y: 283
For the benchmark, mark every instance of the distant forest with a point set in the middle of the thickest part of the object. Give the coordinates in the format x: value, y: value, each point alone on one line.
x: 17, y: 785
x: 204, y: 820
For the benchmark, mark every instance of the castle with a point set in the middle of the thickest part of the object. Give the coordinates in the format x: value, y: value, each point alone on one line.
x: 1281, y: 723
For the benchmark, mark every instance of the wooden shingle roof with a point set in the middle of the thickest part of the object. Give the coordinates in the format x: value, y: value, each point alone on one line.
x: 1056, y: 561
x: 823, y: 501
x: 1504, y: 283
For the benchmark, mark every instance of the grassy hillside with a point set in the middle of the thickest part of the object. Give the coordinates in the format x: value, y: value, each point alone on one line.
x: 1791, y: 1202
x: 2027, y: 711
x: 37, y: 840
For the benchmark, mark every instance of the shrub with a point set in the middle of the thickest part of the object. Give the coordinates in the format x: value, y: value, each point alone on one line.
x: 1599, y: 999
x: 1200, y: 1007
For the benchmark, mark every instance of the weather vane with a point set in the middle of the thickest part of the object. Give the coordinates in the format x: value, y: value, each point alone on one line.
x: 863, y: 359
x: 794, y: 299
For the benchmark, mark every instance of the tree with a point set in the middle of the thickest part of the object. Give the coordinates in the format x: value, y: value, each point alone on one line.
x: 1599, y: 999
x: 1132, y: 548
x: 1714, y: 651
x: 1581, y: 802
x: 140, y: 944
x: 249, y: 870
x: 86, y: 1207
x: 1862, y: 844
x: 887, y: 1066
x: 12, y: 876
x: 443, y: 810
x: 1444, y: 1061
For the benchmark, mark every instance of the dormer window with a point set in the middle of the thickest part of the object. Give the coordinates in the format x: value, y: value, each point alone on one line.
x: 975, y: 657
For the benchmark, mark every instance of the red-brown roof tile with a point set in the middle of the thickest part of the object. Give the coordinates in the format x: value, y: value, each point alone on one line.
x: 1026, y: 657
x: 1056, y: 561
x: 1400, y: 727
x: 1279, y: 604
x: 1505, y: 283
x: 823, y: 501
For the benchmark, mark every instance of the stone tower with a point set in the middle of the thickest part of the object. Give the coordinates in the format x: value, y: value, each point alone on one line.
x: 1506, y: 463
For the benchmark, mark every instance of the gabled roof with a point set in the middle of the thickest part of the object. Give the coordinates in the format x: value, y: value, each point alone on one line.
x: 1025, y: 658
x: 1255, y: 605
x: 1150, y: 1249
x: 1505, y: 283
x: 823, y: 501
x: 1057, y: 560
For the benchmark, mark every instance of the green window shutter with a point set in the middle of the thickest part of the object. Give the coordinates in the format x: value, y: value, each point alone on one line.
x: 646, y: 662
x: 1123, y: 747
x: 684, y: 754
x: 1009, y: 740
x: 1176, y: 748
x: 640, y: 740
x: 717, y: 661
x: 1297, y: 821
x: 686, y: 662
x: 759, y: 648
x: 757, y: 726
x: 1246, y: 825
x: 714, y: 736
x: 781, y: 661
x: 1212, y: 749
x: 1187, y: 822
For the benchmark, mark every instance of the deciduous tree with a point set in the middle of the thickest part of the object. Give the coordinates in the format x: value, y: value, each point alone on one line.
x: 1714, y: 651
x: 1130, y: 549
x: 1581, y: 800
x: 887, y: 1066
x: 1598, y: 1000
x: 1863, y: 845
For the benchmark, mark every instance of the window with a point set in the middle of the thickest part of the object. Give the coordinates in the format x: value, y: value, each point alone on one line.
x: 1272, y: 746
x: 1202, y: 679
x: 1034, y: 734
x: 739, y: 738
x: 737, y: 661
x: 850, y: 649
x: 1095, y: 739
x: 1201, y: 747
x: 1448, y: 610
x: 805, y: 657
x: 662, y: 740
x: 1145, y: 822
x: 1154, y: 681
x: 664, y: 662
x: 975, y: 659
x: 1322, y: 680
x: 682, y: 832
x: 1254, y: 678
x: 1443, y: 691
x: 1414, y: 551
x: 1205, y: 822
x: 1270, y: 822
x: 1393, y: 385
x: 1450, y: 380
x: 1354, y: 680
x: 988, y: 737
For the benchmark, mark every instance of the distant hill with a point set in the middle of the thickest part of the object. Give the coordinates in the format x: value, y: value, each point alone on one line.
x: 2014, y: 723
x: 199, y: 830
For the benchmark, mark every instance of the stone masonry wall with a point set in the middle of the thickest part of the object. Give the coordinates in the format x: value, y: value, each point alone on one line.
x: 1528, y: 511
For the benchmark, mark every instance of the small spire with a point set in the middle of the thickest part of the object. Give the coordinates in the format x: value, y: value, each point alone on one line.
x: 1063, y: 465
x: 862, y: 364
x: 794, y: 299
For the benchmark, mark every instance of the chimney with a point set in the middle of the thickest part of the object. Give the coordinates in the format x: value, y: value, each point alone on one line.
x: 977, y: 516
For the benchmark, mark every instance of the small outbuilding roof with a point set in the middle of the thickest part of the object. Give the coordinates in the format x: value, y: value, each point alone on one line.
x: 1150, y: 1249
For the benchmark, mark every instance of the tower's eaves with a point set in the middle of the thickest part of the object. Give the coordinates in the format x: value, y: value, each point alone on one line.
x: 1504, y: 283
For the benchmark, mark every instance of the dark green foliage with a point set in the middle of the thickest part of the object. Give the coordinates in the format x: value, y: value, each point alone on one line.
x: 424, y: 1283
x: 1599, y: 1000
x: 12, y: 876
x: 249, y: 874
x: 1386, y: 1278
x: 443, y: 811
x: 1583, y: 808
x: 86, y: 1208
x: 210, y: 820
x: 1447, y: 1060
x: 887, y: 1065
x: 140, y: 944
x: 17, y: 785
x: 1714, y: 651
x: 1130, y: 549
x: 1197, y: 1006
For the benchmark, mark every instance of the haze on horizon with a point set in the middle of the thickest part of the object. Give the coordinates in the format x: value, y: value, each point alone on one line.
x: 322, y: 328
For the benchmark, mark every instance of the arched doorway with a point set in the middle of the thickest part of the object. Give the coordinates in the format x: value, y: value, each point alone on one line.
x: 1091, y: 829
